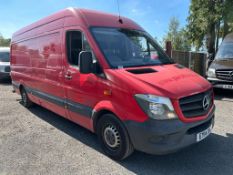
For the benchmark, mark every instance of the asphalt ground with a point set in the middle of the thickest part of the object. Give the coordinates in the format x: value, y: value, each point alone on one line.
x: 37, y: 141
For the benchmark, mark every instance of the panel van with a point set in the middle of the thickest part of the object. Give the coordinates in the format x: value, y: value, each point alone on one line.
x: 111, y: 77
x: 220, y: 72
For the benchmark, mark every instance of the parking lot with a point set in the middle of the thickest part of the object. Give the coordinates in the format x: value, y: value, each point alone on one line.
x: 37, y: 141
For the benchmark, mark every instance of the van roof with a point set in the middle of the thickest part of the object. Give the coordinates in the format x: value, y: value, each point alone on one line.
x: 88, y: 17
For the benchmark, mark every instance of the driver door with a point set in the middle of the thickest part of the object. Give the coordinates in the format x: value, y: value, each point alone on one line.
x: 80, y: 89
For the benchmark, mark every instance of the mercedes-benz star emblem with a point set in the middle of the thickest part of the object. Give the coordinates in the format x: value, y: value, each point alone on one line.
x: 231, y: 74
x: 206, y: 102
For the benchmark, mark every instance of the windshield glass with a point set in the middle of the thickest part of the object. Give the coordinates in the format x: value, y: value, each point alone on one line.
x: 225, y: 51
x: 4, y: 57
x: 129, y: 48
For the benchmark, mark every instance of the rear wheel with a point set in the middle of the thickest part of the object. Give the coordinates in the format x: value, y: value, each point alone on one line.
x: 24, y: 97
x: 113, y: 137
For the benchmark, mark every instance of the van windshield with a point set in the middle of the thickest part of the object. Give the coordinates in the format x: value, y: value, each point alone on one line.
x: 225, y: 51
x: 129, y: 48
x: 4, y: 57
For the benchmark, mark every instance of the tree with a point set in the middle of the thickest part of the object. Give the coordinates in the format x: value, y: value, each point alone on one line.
x: 177, y: 36
x: 4, y: 42
x: 209, y: 20
x: 227, y: 17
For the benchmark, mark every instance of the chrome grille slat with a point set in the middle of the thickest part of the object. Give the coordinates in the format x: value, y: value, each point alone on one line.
x: 225, y: 74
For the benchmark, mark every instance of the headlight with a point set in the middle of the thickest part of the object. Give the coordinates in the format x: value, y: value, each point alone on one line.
x: 211, y: 73
x: 156, y: 107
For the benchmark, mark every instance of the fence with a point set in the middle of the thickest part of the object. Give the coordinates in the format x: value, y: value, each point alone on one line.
x: 193, y: 60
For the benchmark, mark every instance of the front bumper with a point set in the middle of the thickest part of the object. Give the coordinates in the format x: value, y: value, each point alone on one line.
x: 163, y: 137
x: 223, y: 84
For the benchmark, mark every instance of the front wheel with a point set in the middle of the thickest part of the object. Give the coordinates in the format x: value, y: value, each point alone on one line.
x: 113, y: 137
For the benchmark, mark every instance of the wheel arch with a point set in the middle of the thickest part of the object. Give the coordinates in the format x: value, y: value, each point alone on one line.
x: 98, y: 114
x: 105, y: 107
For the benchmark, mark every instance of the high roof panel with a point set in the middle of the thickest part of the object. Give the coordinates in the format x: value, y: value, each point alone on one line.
x: 90, y: 18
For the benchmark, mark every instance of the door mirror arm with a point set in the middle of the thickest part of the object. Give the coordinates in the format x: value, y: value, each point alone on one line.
x: 97, y: 70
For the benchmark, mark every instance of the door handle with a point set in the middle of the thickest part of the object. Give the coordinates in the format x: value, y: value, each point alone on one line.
x: 68, y: 76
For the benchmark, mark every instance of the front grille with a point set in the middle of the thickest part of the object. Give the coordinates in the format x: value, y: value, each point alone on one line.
x: 225, y: 74
x: 7, y: 69
x: 194, y: 105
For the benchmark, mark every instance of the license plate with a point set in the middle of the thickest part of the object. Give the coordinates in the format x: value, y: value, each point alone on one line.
x: 202, y: 135
x: 227, y: 86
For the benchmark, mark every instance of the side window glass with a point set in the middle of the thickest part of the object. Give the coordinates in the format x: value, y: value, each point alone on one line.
x: 74, y: 46
x: 75, y: 43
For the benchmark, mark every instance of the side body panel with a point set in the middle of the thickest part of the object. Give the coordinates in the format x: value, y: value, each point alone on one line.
x: 36, y: 63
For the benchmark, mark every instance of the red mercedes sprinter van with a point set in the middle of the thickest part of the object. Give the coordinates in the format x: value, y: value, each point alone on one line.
x: 111, y: 77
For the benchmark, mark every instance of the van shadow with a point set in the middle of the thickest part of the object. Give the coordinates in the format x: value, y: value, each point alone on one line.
x: 223, y: 94
x: 212, y: 156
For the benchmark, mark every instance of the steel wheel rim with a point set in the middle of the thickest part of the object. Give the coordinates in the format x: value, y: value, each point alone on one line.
x: 112, y: 136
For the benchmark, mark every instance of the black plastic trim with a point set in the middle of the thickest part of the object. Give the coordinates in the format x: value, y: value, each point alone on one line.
x: 163, y: 137
x: 72, y: 106
x: 141, y: 71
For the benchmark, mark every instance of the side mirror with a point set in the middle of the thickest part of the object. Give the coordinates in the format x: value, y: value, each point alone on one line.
x: 85, y: 62
x: 211, y: 57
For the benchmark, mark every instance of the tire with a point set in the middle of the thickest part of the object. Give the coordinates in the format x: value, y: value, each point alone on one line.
x: 24, y: 98
x: 113, y: 137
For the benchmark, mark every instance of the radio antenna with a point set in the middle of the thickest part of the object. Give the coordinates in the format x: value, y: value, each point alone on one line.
x: 119, y: 14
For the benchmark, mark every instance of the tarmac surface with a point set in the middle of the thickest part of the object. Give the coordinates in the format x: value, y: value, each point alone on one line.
x: 37, y: 141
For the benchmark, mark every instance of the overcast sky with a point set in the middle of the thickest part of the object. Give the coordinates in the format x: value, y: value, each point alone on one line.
x: 152, y: 15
